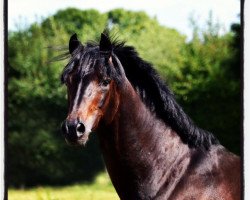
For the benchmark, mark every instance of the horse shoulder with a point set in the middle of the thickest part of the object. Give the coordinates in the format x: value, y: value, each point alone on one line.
x: 213, y: 175
x: 230, y: 178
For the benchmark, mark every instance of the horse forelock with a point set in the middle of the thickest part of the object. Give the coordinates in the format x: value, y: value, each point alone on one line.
x: 87, y: 60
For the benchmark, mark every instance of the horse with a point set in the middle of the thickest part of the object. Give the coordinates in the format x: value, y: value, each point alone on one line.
x: 151, y: 147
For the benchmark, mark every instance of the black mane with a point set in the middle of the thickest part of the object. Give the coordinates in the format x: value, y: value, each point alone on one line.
x: 158, y: 97
x: 155, y: 94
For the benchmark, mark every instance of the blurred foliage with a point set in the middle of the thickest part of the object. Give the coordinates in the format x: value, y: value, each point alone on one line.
x: 204, y: 73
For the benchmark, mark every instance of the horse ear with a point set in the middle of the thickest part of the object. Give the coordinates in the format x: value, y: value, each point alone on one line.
x: 73, y: 43
x: 105, y: 44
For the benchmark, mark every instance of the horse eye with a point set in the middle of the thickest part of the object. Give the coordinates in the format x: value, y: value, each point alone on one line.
x: 105, y: 82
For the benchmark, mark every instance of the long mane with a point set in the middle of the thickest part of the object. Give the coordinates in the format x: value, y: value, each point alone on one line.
x: 153, y: 92
x: 158, y: 97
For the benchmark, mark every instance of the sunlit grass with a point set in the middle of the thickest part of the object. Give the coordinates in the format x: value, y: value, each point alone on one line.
x: 100, y: 189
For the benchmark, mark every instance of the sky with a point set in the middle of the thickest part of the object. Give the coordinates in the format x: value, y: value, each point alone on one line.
x: 171, y: 13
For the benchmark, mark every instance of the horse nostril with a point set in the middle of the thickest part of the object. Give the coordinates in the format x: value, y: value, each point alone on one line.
x: 80, y: 128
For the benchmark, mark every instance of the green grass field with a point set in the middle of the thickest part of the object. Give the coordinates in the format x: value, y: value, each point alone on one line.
x: 100, y: 189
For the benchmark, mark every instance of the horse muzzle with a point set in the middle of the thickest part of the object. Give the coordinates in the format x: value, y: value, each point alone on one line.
x: 74, y: 132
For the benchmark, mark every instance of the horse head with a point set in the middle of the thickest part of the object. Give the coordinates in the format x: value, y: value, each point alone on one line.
x: 92, y: 77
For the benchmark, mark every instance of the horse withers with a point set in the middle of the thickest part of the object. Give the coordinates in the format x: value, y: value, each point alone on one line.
x: 151, y: 148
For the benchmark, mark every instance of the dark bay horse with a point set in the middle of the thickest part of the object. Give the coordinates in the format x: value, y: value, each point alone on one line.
x: 151, y: 148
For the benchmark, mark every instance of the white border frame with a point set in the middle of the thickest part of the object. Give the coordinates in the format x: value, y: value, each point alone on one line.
x: 2, y: 101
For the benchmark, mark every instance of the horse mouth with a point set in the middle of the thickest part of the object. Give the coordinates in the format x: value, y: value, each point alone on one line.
x: 77, y: 141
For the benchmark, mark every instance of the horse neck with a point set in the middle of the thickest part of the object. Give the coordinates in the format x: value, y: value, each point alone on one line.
x: 141, y: 146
